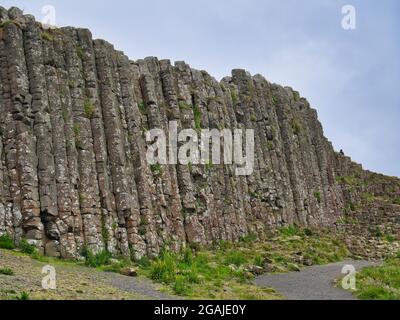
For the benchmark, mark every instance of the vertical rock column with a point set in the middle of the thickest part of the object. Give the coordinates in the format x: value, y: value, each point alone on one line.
x: 21, y: 144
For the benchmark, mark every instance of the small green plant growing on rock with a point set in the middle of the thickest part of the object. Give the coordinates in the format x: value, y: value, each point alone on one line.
x: 157, y: 170
x: 89, y: 109
x: 296, y: 126
x: 197, y: 118
x: 47, y: 36
x: 289, y: 231
x: 142, y: 108
x: 8, y: 22
x: 6, y: 242
x: 79, y: 52
x: 26, y: 247
x: 269, y: 146
x: 184, y: 106
x: 6, y: 272
x: 234, y: 97
x: 96, y: 260
x: 317, y: 195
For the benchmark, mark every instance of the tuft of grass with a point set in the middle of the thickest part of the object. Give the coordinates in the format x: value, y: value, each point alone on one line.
x: 197, y: 118
x: 7, y: 22
x: 142, y: 108
x: 296, y: 126
x: 79, y: 51
x: 317, y: 195
x: 157, y: 170
x: 235, y: 257
x: 47, y: 36
x: 96, y: 260
x: 23, y: 296
x: 184, y: 106
x: 234, y: 97
x: 289, y: 231
x: 26, y: 247
x: 6, y: 272
x: 6, y: 242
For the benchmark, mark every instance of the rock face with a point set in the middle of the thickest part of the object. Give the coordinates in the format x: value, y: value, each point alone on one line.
x: 73, y: 167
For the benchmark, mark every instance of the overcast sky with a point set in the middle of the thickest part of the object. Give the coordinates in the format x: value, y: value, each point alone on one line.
x: 352, y: 77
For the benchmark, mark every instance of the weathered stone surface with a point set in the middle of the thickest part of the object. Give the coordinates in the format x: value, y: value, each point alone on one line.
x: 73, y: 170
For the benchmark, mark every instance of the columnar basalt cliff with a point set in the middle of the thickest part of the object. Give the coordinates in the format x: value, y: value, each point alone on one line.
x: 73, y: 169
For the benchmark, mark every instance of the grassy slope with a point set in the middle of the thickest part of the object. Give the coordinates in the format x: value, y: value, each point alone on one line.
x: 74, y: 281
x: 222, y: 272
x: 382, y: 282
x: 218, y: 272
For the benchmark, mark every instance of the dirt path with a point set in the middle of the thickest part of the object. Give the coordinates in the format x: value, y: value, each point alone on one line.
x: 74, y: 282
x: 313, y: 283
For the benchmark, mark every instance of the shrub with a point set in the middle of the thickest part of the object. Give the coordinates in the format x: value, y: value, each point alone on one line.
x: 235, y: 257
x: 96, y: 260
x: 26, y: 247
x: 6, y: 242
x: 6, y: 271
x: 23, y: 296
x: 163, y: 269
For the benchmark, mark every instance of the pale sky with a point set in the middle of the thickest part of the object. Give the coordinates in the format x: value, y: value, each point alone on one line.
x: 352, y: 77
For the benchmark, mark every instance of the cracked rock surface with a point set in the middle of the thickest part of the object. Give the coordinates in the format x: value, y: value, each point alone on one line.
x: 73, y: 170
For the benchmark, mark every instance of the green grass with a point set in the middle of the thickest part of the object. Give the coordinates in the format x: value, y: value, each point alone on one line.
x: 142, y: 108
x: 317, y: 196
x: 6, y: 242
x: 296, y: 126
x: 197, y: 118
x: 26, y: 247
x: 221, y: 271
x: 47, y: 36
x: 7, y: 22
x: 381, y: 282
x: 234, y: 97
x: 79, y: 52
x: 157, y: 170
x: 96, y: 260
x: 6, y: 272
x: 23, y: 296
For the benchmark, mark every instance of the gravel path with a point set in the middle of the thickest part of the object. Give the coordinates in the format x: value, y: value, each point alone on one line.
x: 138, y: 286
x: 313, y: 283
x: 74, y: 282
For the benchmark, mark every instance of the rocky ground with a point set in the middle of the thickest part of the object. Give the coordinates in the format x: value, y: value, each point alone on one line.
x: 74, y: 282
